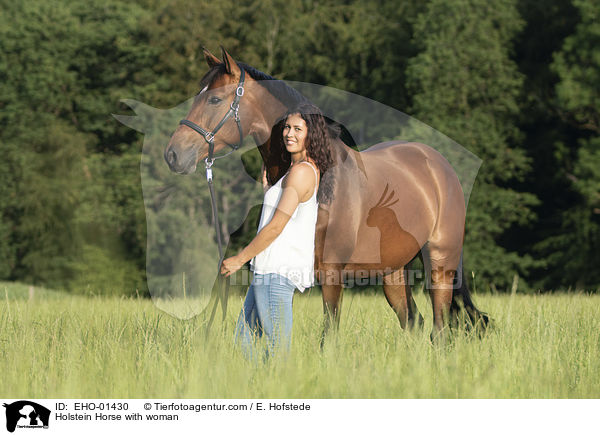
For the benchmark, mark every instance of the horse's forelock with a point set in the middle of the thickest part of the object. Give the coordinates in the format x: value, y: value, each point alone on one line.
x: 213, y: 74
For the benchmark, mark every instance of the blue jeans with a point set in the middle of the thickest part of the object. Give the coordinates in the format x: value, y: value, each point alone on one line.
x: 267, y: 309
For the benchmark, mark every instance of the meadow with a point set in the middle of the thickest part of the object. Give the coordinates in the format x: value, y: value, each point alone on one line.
x: 55, y: 345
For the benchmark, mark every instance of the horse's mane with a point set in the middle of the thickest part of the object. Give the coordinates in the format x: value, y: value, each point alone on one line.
x: 288, y: 96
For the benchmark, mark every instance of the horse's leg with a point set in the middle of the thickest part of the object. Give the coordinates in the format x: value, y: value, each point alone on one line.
x: 332, y: 287
x: 441, y: 268
x: 441, y: 296
x: 398, y: 294
x: 332, y: 302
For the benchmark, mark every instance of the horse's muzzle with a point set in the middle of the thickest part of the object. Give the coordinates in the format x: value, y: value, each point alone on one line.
x: 181, y: 162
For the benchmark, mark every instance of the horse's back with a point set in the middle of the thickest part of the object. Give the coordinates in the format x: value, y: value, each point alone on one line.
x: 427, y: 167
x: 432, y: 173
x: 431, y: 202
x: 403, y: 152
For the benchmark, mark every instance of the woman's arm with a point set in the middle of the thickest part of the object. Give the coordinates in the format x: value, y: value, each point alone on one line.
x: 299, y: 181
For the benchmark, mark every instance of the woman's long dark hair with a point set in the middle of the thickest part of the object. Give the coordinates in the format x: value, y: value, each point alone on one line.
x: 318, y: 146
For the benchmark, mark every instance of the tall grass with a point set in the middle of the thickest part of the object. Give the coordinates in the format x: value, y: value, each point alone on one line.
x: 54, y: 345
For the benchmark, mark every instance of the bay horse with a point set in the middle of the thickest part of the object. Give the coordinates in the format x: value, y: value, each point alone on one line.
x: 392, y: 202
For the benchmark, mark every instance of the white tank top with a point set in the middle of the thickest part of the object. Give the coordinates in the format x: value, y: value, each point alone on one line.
x: 292, y: 253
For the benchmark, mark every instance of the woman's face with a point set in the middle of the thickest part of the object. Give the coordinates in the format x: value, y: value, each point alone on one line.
x: 294, y: 133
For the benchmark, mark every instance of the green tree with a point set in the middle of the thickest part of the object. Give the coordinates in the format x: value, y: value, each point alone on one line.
x: 544, y: 135
x: 574, y: 247
x: 465, y: 85
x: 64, y: 65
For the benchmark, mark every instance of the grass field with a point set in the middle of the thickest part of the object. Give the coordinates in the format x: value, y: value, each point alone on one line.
x: 60, y: 346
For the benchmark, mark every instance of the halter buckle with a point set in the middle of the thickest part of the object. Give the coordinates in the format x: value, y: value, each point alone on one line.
x: 234, y: 109
x: 209, y: 137
x: 208, y: 163
x: 239, y: 91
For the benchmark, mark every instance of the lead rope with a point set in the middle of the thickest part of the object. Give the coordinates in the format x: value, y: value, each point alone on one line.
x: 223, y: 294
x: 213, y: 202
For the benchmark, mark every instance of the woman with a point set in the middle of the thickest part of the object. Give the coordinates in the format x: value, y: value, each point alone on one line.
x: 282, y: 252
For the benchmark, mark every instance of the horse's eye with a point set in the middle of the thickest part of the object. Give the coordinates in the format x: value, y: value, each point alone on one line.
x: 214, y: 100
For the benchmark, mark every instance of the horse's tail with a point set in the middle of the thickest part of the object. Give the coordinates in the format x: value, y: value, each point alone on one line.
x: 462, y: 303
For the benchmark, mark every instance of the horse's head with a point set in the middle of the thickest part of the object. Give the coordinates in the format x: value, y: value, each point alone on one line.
x: 212, y: 117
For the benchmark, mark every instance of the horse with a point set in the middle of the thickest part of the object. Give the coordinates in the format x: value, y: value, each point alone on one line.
x: 398, y: 200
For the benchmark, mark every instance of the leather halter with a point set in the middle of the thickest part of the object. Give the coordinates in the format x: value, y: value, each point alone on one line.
x: 209, y: 136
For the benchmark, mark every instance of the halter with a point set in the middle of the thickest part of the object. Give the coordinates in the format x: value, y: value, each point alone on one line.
x: 209, y: 136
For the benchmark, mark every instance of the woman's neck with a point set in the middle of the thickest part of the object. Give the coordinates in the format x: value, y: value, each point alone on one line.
x: 299, y: 157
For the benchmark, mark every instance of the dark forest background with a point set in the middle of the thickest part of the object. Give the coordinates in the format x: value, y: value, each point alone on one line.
x: 517, y: 82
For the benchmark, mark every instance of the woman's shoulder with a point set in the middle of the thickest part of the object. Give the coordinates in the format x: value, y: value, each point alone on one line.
x: 302, y: 173
x: 304, y: 169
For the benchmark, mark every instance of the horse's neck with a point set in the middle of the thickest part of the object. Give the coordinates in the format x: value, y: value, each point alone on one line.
x: 272, y: 158
x: 265, y: 118
x: 270, y: 110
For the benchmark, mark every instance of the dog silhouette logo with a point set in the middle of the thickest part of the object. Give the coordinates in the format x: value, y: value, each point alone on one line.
x: 26, y: 414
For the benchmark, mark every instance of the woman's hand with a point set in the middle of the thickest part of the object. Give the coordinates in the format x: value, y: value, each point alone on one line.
x: 231, y: 265
x: 265, y: 181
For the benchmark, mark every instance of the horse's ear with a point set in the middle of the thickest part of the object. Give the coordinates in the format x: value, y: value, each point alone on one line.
x: 211, y: 59
x: 231, y: 65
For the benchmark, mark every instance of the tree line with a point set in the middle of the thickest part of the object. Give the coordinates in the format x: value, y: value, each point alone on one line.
x: 516, y: 82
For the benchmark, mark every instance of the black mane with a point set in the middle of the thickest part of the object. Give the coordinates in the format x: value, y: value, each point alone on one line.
x: 288, y: 96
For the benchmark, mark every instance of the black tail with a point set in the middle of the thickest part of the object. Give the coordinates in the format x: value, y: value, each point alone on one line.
x: 462, y: 302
